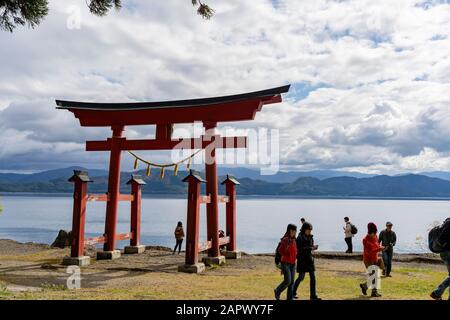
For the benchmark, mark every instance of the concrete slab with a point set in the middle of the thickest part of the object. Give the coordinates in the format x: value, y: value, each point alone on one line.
x: 108, y: 255
x: 134, y: 249
x: 76, y: 261
x: 192, y: 268
x: 232, y: 254
x: 209, y: 261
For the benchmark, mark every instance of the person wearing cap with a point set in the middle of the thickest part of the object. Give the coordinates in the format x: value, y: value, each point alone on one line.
x: 370, y: 255
x: 387, y: 238
x: 305, y: 260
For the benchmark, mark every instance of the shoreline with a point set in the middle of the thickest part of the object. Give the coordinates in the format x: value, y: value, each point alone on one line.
x: 12, y: 247
x: 326, y: 254
x: 239, y: 196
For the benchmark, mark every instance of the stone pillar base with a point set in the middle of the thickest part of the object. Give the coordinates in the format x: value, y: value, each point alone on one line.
x: 134, y: 249
x: 77, y: 261
x: 232, y: 254
x: 209, y: 261
x: 192, y: 268
x: 108, y: 255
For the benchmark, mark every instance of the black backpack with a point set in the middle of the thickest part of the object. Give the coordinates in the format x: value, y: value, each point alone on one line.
x: 278, y: 254
x: 433, y: 237
x: 354, y: 229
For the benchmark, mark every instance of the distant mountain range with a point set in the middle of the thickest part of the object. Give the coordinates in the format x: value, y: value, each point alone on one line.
x: 319, y: 183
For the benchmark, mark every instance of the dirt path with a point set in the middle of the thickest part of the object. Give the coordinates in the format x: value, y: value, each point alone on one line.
x: 31, y: 271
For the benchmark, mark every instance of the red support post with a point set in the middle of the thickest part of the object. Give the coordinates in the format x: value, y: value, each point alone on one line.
x: 80, y: 179
x: 212, y: 208
x: 79, y: 218
x: 113, y: 192
x: 136, y: 214
x: 135, y: 229
x: 230, y: 184
x: 193, y: 218
x: 231, y: 216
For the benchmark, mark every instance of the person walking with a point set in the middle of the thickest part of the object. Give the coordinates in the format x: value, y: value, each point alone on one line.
x: 370, y: 255
x: 288, y: 251
x: 444, y: 241
x: 305, y: 260
x: 387, y: 239
x: 348, y: 235
x: 179, y: 236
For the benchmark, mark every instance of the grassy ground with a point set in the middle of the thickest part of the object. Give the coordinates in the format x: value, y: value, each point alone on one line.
x: 153, y: 275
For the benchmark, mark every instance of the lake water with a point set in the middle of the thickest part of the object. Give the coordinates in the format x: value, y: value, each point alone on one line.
x: 260, y: 221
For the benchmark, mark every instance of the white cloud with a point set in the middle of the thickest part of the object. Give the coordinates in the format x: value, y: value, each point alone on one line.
x: 379, y: 75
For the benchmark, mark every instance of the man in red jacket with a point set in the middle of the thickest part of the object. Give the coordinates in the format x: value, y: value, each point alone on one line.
x: 288, y: 252
x: 370, y: 255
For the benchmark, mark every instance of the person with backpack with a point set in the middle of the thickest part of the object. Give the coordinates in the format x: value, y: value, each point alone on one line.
x: 349, y: 231
x: 287, y: 253
x: 305, y: 260
x: 387, y: 239
x: 370, y: 255
x: 179, y: 236
x: 439, y: 242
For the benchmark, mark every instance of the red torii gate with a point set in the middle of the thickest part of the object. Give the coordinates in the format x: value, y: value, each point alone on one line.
x: 164, y: 115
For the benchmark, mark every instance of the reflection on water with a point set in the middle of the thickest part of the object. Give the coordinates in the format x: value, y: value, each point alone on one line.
x: 261, y: 222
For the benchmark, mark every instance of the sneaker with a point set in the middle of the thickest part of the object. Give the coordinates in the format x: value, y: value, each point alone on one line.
x: 363, y: 289
x: 277, y: 295
x: 435, y: 296
x: 375, y: 294
x: 389, y: 276
x: 295, y: 297
x: 384, y: 272
x: 315, y: 298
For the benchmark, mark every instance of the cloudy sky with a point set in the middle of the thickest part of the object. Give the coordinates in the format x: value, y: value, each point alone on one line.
x: 370, y: 79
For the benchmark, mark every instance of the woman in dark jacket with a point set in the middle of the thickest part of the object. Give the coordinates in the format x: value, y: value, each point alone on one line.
x: 305, y: 260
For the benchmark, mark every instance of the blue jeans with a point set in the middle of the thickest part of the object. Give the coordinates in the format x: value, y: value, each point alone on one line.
x: 288, y: 281
x: 312, y: 283
x: 445, y: 256
x: 387, y: 259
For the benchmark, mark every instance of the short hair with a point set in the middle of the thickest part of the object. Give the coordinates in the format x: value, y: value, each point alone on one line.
x: 346, y: 219
x: 302, y: 220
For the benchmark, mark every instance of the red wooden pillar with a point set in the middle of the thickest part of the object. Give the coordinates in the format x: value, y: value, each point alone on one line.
x: 135, y: 229
x: 80, y: 179
x: 192, y: 226
x: 212, y: 208
x: 230, y: 184
x: 113, y: 194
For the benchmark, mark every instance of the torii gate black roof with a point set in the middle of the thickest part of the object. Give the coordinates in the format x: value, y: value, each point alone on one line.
x: 62, y: 104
